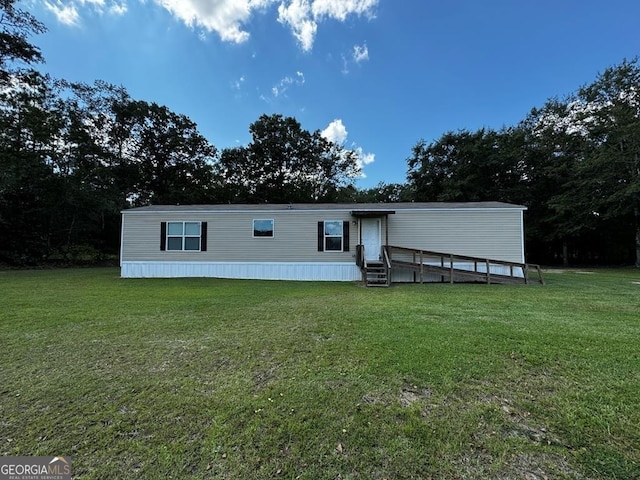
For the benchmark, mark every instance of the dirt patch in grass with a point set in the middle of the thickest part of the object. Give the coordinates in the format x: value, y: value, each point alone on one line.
x: 524, y: 466
x: 264, y: 376
x: 411, y: 394
x: 519, y: 424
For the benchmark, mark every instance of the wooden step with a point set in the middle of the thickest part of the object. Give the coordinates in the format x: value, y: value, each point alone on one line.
x: 376, y: 275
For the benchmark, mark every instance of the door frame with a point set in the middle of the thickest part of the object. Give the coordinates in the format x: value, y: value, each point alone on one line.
x: 369, y: 222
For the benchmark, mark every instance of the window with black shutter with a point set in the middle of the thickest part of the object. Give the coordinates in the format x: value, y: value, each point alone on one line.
x: 333, y: 236
x: 185, y: 236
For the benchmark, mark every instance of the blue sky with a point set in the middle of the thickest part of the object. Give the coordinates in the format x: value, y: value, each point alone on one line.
x: 376, y: 75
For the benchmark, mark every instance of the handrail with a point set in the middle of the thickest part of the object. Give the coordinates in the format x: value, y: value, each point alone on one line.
x: 460, y: 257
x: 387, y: 260
x: 387, y: 264
x: 450, y: 257
x: 538, y: 269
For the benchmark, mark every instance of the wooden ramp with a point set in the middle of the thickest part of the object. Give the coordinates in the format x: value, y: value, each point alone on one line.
x: 453, y: 268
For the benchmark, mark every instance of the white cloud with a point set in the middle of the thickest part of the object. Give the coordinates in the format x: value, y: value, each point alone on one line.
x: 303, y: 16
x: 365, y: 158
x: 341, y: 9
x: 298, y: 16
x: 237, y: 85
x: 96, y: 3
x: 228, y: 18
x: 360, y: 53
x: 65, y: 14
x: 68, y: 13
x: 118, y: 8
x: 225, y: 17
x: 336, y: 132
x: 283, y: 85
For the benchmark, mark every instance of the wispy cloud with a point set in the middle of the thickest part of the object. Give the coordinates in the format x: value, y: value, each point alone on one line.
x: 65, y: 14
x: 229, y: 18
x: 68, y: 13
x: 304, y: 16
x: 341, y: 9
x: 360, y: 53
x: 237, y: 85
x: 283, y: 85
x: 118, y: 8
x: 298, y: 16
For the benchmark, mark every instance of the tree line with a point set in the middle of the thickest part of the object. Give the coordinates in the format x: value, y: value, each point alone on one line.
x: 73, y: 155
x: 574, y: 162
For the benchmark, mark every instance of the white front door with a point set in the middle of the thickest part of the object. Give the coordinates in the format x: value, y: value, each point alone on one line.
x: 371, y: 236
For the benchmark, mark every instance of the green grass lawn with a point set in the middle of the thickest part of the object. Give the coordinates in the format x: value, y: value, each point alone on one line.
x: 208, y: 378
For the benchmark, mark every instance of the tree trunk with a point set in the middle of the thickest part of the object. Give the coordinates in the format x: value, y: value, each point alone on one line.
x: 565, y: 253
x: 636, y: 212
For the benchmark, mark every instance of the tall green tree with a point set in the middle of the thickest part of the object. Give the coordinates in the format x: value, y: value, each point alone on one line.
x: 28, y: 181
x: 612, y: 120
x: 466, y: 166
x: 161, y: 155
x: 16, y: 26
x: 382, y: 192
x: 588, y: 149
x: 285, y: 163
x: 553, y: 149
x: 72, y: 156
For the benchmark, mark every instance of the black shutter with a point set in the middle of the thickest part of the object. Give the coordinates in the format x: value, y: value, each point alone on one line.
x: 203, y: 236
x: 345, y: 236
x: 163, y: 236
x: 321, y: 236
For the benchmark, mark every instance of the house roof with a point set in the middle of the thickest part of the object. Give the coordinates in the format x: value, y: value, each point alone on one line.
x: 357, y: 209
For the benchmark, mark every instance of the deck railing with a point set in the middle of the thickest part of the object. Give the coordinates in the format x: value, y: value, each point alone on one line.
x: 459, y: 267
x: 360, y: 259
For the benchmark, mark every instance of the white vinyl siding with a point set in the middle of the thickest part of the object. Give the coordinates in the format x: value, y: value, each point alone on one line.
x: 232, y: 250
x: 479, y: 233
x: 230, y: 237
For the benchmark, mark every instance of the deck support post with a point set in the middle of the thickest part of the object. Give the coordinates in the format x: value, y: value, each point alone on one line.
x: 488, y: 272
x: 415, y: 273
x: 451, y: 269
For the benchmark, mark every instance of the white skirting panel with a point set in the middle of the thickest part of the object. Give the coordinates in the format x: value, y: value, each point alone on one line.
x: 346, y: 272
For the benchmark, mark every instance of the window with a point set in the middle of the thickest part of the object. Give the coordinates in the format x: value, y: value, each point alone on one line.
x: 263, y: 228
x: 183, y: 236
x: 333, y: 236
